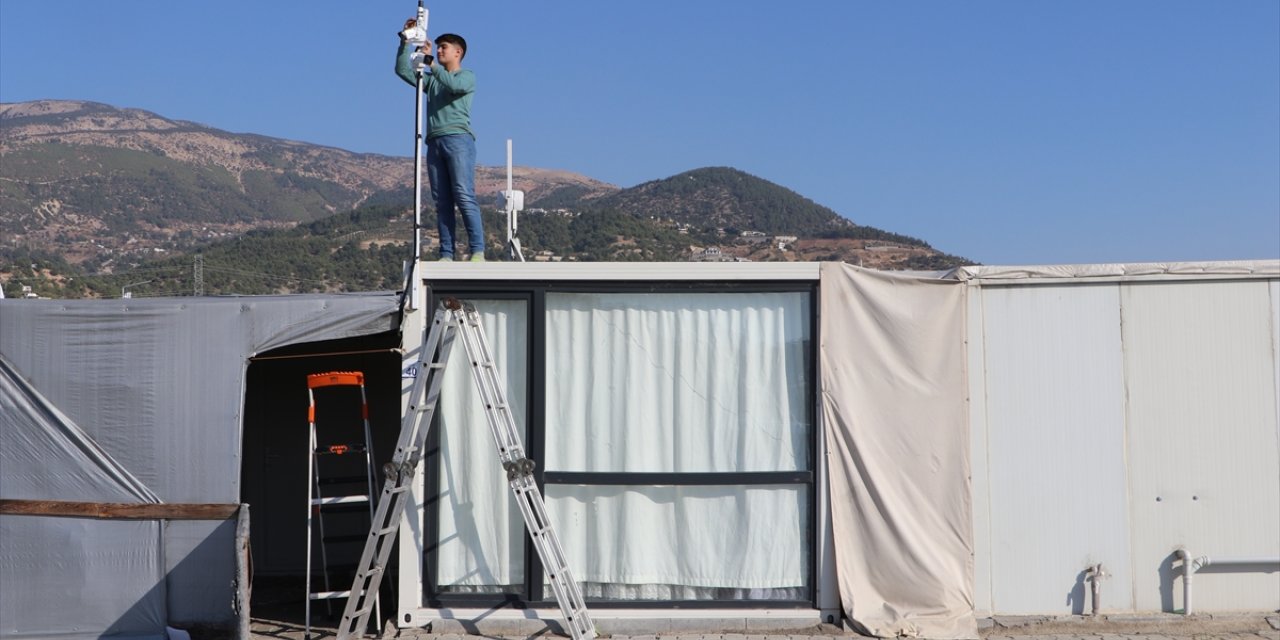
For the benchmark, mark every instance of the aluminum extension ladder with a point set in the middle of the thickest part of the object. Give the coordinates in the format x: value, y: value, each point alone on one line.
x: 317, y: 502
x: 452, y: 319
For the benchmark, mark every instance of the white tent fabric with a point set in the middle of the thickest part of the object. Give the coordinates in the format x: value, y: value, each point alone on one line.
x: 135, y: 401
x: 894, y: 410
x: 1146, y: 270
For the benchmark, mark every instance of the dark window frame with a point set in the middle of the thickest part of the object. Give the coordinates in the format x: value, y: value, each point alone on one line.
x: 535, y: 292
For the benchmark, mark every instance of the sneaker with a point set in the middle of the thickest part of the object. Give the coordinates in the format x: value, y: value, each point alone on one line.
x: 446, y: 258
x: 477, y: 257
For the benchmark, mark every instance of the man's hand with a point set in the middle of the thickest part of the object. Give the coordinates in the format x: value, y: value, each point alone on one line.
x: 411, y: 32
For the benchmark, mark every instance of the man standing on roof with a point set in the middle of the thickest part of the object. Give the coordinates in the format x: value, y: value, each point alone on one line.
x: 451, y: 145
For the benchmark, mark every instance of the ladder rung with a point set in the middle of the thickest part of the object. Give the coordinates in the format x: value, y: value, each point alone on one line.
x: 335, y: 509
x: 339, y: 500
x: 329, y: 595
x: 350, y: 538
x: 338, y: 450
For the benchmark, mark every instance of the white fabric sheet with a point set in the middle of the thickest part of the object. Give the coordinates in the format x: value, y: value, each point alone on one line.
x: 895, y: 417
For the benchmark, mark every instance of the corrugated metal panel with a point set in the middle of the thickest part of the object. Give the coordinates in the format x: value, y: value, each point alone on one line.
x: 1275, y: 352
x: 978, y: 455
x: 1055, y: 410
x: 1202, y: 439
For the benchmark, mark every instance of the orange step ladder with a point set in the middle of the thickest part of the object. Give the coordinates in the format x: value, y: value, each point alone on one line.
x: 336, y: 495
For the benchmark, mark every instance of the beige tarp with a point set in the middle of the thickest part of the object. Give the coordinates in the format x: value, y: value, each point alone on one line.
x: 1144, y: 270
x: 894, y: 406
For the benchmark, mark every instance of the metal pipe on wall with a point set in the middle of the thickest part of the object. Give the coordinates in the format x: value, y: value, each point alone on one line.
x: 1191, y: 565
x: 1094, y: 576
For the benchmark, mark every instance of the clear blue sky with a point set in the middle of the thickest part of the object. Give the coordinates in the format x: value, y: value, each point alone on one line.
x: 1009, y: 132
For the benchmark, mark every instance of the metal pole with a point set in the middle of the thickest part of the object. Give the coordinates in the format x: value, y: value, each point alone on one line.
x: 511, y: 209
x: 415, y: 272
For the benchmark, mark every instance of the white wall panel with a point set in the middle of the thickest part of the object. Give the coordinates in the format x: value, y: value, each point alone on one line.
x: 1202, y: 438
x: 1275, y: 352
x: 1055, y: 411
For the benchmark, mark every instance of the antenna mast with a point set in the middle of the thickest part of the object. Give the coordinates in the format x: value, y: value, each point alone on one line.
x: 419, y: 38
x: 512, y: 203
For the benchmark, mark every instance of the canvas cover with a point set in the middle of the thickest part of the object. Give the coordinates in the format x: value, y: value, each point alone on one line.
x: 1143, y: 270
x: 894, y: 410
x: 135, y: 401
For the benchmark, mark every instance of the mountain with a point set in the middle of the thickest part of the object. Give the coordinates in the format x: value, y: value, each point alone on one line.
x: 100, y: 183
x: 89, y: 190
x: 748, y: 215
x: 723, y: 197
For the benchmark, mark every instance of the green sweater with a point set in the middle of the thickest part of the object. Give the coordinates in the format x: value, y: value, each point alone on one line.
x: 448, y: 94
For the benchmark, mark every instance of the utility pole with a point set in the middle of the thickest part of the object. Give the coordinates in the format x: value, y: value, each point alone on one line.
x: 199, y: 274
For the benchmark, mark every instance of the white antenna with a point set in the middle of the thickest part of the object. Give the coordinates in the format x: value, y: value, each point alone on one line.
x: 512, y: 202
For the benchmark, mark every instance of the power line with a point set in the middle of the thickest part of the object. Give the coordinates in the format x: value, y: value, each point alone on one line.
x: 267, y: 276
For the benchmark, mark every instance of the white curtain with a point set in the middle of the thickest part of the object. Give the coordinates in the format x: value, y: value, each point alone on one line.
x: 685, y: 542
x: 683, y: 382
x: 481, y: 544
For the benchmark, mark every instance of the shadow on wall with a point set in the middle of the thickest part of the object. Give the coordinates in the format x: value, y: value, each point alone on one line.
x: 1170, y: 569
x: 197, y: 594
x: 1076, y: 598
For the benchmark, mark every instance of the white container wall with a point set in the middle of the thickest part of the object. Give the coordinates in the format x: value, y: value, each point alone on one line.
x: 1055, y: 442
x: 1115, y: 422
x: 1203, y: 468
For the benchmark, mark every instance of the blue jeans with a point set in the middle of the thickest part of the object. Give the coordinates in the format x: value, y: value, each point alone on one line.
x: 451, y: 168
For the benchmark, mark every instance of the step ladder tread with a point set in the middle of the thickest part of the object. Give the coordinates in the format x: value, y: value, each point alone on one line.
x: 340, y: 500
x: 351, y: 538
x: 342, y: 480
x: 329, y: 595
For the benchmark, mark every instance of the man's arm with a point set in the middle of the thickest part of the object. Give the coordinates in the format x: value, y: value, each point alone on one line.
x: 404, y: 64
x: 460, y: 83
